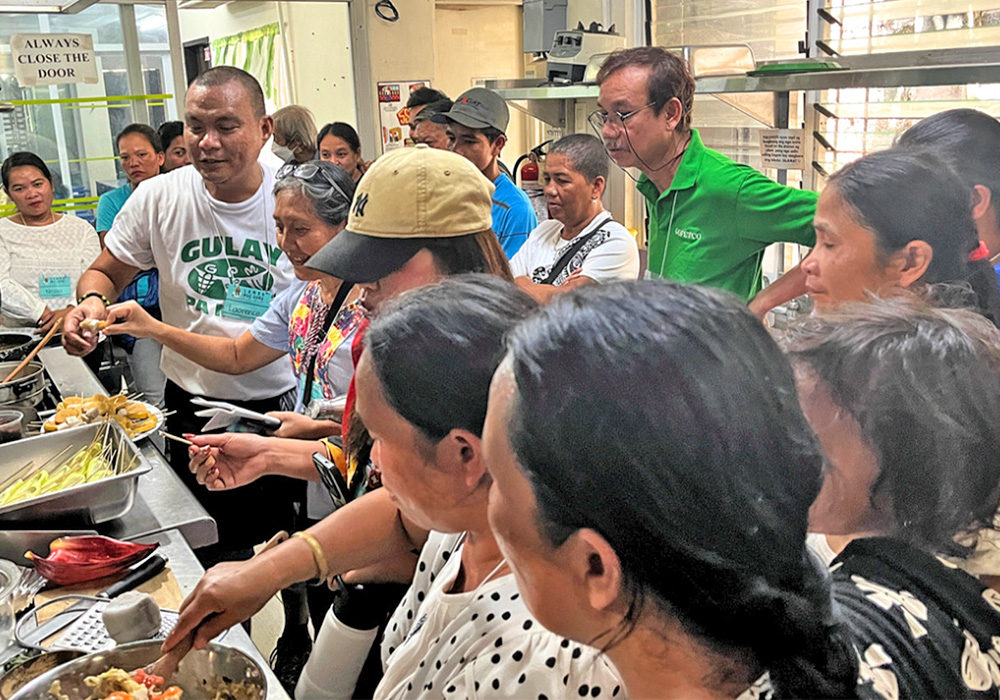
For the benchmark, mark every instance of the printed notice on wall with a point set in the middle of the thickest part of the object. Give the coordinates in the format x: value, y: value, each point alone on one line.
x: 393, y: 116
x: 783, y: 149
x: 53, y: 59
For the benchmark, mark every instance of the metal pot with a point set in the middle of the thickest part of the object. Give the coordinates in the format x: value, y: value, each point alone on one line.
x: 15, y: 346
x: 27, y: 382
x: 199, y: 674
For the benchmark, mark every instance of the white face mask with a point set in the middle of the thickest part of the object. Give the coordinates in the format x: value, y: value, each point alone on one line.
x: 283, y: 152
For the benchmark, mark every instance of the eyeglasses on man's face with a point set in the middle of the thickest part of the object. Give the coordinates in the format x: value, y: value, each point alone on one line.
x: 599, y: 118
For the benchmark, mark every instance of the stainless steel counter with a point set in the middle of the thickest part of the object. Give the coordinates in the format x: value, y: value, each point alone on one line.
x: 165, y: 511
x: 162, y: 502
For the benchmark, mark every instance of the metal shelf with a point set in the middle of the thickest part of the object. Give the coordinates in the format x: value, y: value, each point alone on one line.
x: 902, y: 69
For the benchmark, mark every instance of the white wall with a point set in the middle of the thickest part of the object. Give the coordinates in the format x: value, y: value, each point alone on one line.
x: 232, y: 18
x: 481, y: 42
x: 585, y: 11
x: 318, y: 37
x: 450, y: 45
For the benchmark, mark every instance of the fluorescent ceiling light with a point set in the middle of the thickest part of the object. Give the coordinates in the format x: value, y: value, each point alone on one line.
x: 45, y: 6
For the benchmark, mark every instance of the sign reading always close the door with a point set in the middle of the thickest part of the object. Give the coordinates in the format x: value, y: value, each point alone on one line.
x: 53, y: 59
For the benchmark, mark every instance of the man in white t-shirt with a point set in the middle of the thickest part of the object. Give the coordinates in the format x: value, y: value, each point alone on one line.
x: 209, y: 229
x: 580, y: 244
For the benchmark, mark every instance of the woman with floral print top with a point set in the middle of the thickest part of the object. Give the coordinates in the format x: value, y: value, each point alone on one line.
x: 904, y: 398
x: 311, y: 205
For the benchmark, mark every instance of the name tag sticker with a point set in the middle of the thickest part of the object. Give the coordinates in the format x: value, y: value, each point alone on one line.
x: 54, y: 287
x: 245, y: 303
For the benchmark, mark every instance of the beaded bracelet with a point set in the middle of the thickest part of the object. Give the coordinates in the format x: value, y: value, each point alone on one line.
x: 94, y: 294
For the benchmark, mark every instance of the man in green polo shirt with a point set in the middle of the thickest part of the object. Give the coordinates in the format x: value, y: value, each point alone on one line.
x: 710, y: 218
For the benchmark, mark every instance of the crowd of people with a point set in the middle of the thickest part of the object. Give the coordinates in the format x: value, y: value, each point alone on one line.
x: 511, y: 467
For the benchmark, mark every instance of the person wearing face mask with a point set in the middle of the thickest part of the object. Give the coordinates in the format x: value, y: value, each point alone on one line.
x: 294, y: 140
x: 581, y: 243
x: 142, y: 156
x: 42, y: 254
x: 710, y: 218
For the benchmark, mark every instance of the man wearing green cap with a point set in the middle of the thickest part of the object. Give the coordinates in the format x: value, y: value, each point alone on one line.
x: 477, y: 123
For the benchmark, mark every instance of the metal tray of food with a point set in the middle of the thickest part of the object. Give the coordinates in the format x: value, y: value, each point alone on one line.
x: 94, y: 502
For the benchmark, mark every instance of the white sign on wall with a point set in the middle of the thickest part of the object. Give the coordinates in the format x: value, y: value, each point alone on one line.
x: 783, y: 149
x: 53, y: 59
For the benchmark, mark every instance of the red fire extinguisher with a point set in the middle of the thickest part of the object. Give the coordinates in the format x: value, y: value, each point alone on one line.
x: 529, y: 174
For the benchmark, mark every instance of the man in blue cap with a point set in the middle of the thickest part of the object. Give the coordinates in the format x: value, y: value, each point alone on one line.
x: 477, y: 123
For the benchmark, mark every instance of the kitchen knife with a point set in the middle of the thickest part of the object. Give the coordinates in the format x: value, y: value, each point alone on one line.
x: 136, y: 576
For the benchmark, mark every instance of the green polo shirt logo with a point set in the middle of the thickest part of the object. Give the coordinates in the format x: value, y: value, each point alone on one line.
x: 721, y: 216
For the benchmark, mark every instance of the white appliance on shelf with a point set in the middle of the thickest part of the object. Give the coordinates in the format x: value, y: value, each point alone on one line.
x: 573, y: 49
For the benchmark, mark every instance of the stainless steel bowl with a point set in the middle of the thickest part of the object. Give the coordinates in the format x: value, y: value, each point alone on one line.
x: 197, y: 676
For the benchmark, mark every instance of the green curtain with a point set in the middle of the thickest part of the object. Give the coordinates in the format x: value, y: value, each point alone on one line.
x: 253, y: 51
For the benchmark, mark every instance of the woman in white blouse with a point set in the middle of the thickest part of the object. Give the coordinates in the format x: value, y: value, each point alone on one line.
x: 42, y: 254
x: 580, y: 243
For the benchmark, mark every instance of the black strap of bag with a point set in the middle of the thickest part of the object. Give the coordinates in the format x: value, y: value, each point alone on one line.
x: 568, y: 254
x: 338, y: 301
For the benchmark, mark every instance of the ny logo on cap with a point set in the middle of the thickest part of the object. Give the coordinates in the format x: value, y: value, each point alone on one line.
x: 360, y: 202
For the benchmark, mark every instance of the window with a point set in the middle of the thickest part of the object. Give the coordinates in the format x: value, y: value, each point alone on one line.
x: 868, y: 119
x: 76, y: 139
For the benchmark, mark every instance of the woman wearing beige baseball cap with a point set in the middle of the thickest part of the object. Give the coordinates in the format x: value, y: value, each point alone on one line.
x: 416, y: 199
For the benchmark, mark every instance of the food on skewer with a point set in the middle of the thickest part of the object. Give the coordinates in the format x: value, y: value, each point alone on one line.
x: 93, y: 325
x: 101, y: 459
x: 133, y: 416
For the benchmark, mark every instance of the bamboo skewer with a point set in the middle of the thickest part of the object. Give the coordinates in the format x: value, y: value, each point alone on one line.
x: 17, y: 475
x: 165, y: 434
x: 31, y: 355
x: 59, y: 454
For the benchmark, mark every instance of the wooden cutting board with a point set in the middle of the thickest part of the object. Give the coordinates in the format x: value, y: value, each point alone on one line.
x: 163, y: 587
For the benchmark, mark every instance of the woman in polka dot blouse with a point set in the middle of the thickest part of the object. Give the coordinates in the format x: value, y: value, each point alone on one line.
x: 462, y: 629
x: 652, y: 495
